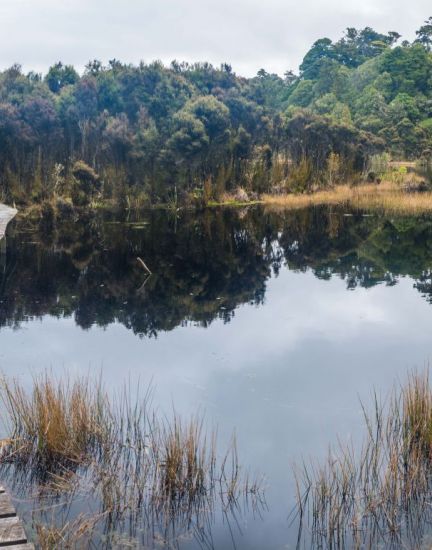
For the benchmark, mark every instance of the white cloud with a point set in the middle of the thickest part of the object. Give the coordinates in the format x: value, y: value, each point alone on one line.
x: 247, y: 33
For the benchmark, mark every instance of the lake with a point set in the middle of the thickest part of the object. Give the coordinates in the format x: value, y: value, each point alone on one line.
x: 275, y: 324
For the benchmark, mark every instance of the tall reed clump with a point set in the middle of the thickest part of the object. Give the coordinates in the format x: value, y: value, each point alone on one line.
x: 58, y: 422
x: 186, y: 457
x: 380, y: 493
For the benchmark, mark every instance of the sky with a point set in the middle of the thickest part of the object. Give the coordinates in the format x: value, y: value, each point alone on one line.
x: 248, y: 34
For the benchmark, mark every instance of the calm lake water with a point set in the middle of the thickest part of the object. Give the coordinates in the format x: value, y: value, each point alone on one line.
x: 273, y: 323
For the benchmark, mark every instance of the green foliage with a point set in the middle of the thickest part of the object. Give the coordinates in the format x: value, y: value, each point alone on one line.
x: 320, y: 51
x: 355, y: 48
x: 300, y: 179
x: 144, y: 129
x: 86, y: 183
x: 366, y: 80
x: 424, y: 34
x: 60, y: 75
x: 303, y: 94
x: 426, y: 124
x: 315, y: 138
x: 155, y: 131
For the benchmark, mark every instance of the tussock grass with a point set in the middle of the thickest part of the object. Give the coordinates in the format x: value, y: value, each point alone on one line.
x: 140, y: 468
x: 185, y: 457
x: 339, y: 195
x: 71, y: 535
x: 381, y: 493
x: 387, y: 197
x: 59, y: 422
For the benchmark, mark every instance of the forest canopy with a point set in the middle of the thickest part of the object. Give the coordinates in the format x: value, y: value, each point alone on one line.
x: 165, y: 133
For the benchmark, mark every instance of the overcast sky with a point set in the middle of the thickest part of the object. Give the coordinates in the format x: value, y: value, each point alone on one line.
x: 248, y: 34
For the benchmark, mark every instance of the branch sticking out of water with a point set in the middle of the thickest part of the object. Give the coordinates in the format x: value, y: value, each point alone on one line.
x: 144, y: 265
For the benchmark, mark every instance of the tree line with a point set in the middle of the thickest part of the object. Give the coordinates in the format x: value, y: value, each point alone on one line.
x: 369, y: 81
x: 192, y: 132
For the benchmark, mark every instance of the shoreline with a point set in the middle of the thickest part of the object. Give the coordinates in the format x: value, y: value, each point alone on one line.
x: 386, y: 197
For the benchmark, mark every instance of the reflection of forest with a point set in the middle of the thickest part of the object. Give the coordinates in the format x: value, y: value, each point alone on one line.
x: 204, y: 265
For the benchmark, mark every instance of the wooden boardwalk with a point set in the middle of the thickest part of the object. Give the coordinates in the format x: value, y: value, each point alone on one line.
x: 12, y: 533
x: 6, y: 215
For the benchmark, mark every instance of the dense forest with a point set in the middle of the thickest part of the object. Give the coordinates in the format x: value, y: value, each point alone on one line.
x: 192, y: 132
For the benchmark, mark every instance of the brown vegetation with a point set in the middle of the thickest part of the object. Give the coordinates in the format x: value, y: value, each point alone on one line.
x: 380, y: 493
x: 387, y: 197
x: 60, y: 421
x: 70, y: 437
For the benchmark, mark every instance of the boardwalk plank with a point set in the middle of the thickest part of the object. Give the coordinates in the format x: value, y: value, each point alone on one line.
x: 12, y: 532
x: 7, y: 509
x: 26, y: 546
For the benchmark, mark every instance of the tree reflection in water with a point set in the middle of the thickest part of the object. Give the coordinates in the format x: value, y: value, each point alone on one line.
x: 203, y: 265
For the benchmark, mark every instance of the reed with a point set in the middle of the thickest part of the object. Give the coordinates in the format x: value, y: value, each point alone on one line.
x: 388, y: 197
x: 59, y: 421
x: 380, y: 493
x: 70, y: 439
x: 74, y: 534
x: 185, y: 458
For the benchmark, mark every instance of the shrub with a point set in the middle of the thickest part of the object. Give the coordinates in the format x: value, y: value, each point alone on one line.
x: 87, y: 182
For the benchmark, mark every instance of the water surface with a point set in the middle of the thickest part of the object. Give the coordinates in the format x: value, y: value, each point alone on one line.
x: 273, y: 323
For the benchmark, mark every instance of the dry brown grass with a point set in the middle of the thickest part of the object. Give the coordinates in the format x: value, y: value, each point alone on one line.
x: 379, y: 494
x: 69, y: 438
x: 185, y: 458
x: 59, y: 421
x: 76, y: 534
x: 387, y: 197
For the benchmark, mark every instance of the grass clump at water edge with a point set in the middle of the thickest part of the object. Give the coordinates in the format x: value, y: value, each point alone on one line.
x: 60, y: 422
x: 387, y: 197
x: 381, y: 492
